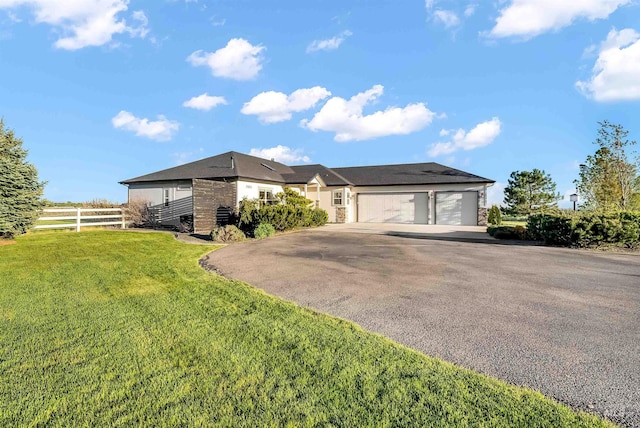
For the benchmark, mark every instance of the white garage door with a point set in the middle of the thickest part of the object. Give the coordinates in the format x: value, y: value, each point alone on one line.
x: 393, y: 208
x: 457, y: 208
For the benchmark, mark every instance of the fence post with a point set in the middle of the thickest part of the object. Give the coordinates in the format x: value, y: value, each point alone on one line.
x: 124, y: 220
x: 78, y: 220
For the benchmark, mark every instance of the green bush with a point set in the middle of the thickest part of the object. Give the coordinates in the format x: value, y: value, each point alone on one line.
x: 293, y: 212
x: 495, y: 216
x: 508, y: 232
x: 586, y: 229
x: 228, y: 233
x: 264, y: 230
x: 319, y: 217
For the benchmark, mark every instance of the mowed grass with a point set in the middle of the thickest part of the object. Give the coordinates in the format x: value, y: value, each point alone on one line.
x: 122, y: 328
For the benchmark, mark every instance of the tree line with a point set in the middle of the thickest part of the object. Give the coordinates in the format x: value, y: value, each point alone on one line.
x: 608, y: 180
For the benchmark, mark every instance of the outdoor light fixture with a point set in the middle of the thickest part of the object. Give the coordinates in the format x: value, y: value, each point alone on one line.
x: 573, y: 198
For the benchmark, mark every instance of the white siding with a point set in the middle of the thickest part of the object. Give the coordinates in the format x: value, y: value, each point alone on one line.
x: 251, y: 190
x: 326, y: 201
x: 153, y: 192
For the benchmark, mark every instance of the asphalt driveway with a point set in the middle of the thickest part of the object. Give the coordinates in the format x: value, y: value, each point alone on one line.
x: 564, y: 322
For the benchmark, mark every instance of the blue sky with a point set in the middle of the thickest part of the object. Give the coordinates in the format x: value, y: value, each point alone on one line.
x: 105, y: 90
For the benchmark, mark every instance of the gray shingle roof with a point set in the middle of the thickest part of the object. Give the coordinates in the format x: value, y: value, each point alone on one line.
x: 221, y: 166
x: 408, y: 173
x: 305, y: 173
x: 234, y: 165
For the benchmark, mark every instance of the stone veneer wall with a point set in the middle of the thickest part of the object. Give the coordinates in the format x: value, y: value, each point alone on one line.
x: 341, y: 215
x: 208, y: 196
x: 483, y: 215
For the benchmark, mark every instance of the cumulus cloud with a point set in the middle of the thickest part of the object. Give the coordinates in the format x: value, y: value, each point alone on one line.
x: 238, y: 60
x: 530, y: 18
x: 84, y: 23
x: 447, y: 17
x: 616, y: 73
x: 346, y: 118
x: 282, y: 154
x: 162, y: 129
x: 272, y: 107
x: 204, y: 102
x: 483, y: 134
x: 328, y: 44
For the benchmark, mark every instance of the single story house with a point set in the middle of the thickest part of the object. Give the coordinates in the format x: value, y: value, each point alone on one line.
x: 206, y: 191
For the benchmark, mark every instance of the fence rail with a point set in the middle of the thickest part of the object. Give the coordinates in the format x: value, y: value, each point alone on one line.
x: 111, y: 219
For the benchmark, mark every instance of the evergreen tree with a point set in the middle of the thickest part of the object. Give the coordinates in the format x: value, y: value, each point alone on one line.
x: 20, y: 190
x: 530, y: 191
x: 495, y: 216
x: 609, y: 178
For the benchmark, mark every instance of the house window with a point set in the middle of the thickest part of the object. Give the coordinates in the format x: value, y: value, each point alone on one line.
x: 266, y: 197
x: 347, y: 197
x: 337, y: 197
x: 166, y: 197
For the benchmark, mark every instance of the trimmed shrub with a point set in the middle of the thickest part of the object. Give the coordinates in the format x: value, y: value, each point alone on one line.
x: 495, y: 216
x: 319, y: 217
x: 228, y: 233
x: 292, y: 213
x: 508, y: 232
x: 264, y: 230
x: 586, y: 229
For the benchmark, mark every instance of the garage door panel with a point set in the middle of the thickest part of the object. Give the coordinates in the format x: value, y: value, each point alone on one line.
x: 393, y: 208
x: 457, y: 208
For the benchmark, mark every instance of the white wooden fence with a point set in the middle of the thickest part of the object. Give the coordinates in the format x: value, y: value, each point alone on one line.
x: 83, y: 218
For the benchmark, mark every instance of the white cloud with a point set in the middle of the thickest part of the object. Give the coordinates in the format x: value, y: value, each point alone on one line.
x: 272, y: 107
x: 346, y: 118
x: 329, y: 44
x: 84, y: 23
x: 429, y: 4
x: 469, y: 10
x: 446, y: 17
x: 239, y: 60
x: 495, y: 194
x: 282, y: 154
x: 616, y: 73
x: 204, y: 102
x: 530, y: 18
x: 159, y: 130
x: 483, y: 134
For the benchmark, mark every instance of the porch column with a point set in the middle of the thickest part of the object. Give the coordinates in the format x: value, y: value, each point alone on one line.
x: 317, y: 195
x: 306, y: 194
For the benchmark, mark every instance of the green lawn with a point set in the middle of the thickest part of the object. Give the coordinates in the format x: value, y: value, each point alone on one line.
x: 514, y: 223
x: 123, y: 328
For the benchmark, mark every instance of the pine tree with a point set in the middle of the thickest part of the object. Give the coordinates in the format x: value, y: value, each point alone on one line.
x: 530, y: 191
x: 20, y: 190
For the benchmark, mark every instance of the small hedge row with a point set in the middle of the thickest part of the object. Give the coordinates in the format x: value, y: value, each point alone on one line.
x: 292, y: 212
x: 581, y: 229
x: 586, y: 229
x: 508, y: 232
x: 287, y: 217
